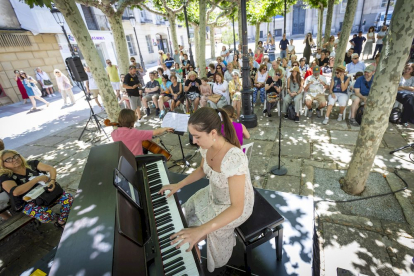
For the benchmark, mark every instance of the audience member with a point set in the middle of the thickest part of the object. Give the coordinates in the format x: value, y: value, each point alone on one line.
x: 293, y: 58
x: 259, y: 84
x: 32, y: 91
x: 169, y: 61
x: 357, y: 42
x: 324, y: 60
x: 336, y: 42
x: 275, y: 67
x: 176, y: 90
x: 315, y: 85
x: 235, y: 88
x: 211, y: 72
x: 131, y: 84
x: 362, y: 87
x: 219, y: 69
x: 220, y: 62
x: 294, y: 93
x: 205, y: 91
x: 369, y: 43
x: 152, y: 92
x: 258, y: 56
x: 318, y: 53
x: 338, y: 93
x: 327, y: 70
x: 165, y: 94
x: 185, y: 63
x: 253, y: 72
x: 251, y: 53
x: 228, y: 74
x: 220, y: 95
x: 18, y: 177
x: 405, y: 94
x: 45, y: 82
x: 176, y: 57
x: 309, y: 72
x: 283, y: 46
x: 241, y: 130
x: 380, y: 36
x: 20, y: 86
x: 303, y: 67
x: 273, y: 87
x: 308, y: 41
x: 91, y: 86
x: 235, y: 62
x: 178, y: 70
x: 112, y: 71
x: 192, y: 88
x: 290, y: 49
x: 124, y: 96
x: 260, y: 47
x: 160, y: 57
x: 159, y: 72
x: 140, y: 70
x: 330, y: 44
x: 224, y: 51
x: 355, y: 65
x: 166, y: 70
x: 271, y: 50
x: 348, y: 56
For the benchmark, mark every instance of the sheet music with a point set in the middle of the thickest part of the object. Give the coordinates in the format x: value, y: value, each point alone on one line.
x: 177, y: 121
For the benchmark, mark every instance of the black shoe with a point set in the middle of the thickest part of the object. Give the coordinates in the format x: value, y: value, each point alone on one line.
x: 157, y: 112
x: 264, y: 111
x: 286, y: 116
x: 296, y: 119
x: 269, y: 115
x: 148, y: 111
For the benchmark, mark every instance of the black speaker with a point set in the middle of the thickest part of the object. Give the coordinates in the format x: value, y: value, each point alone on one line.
x: 76, y: 69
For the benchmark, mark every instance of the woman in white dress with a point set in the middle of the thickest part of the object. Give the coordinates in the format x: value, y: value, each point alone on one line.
x: 227, y: 202
x: 369, y: 43
x: 65, y: 87
x: 220, y: 87
x: 44, y: 80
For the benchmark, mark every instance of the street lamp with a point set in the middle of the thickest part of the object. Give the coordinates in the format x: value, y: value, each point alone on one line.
x: 61, y: 21
x: 234, y: 38
x: 188, y: 31
x: 249, y: 119
x: 133, y: 23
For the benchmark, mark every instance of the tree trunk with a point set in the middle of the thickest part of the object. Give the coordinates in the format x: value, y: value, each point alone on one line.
x: 212, y: 42
x: 329, y: 15
x: 202, y: 38
x: 173, y: 27
x: 320, y: 25
x: 257, y: 35
x: 345, y: 32
x: 121, y: 47
x: 196, y: 45
x: 381, y: 97
x: 76, y: 24
x: 239, y: 23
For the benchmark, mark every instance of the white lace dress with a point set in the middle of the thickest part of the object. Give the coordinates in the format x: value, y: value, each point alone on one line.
x: 210, y: 201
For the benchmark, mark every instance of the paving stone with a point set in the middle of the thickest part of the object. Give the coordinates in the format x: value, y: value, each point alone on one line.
x: 263, y: 133
x: 408, y: 136
x: 54, y: 157
x: 73, y: 143
x: 402, y: 249
x: 340, y: 154
x: 319, y: 164
x: 392, y: 128
x: 333, y: 123
x: 34, y: 152
x: 339, y: 137
x: 316, y: 134
x: 48, y: 141
x: 306, y: 181
x: 66, y: 132
x: 295, y: 135
x: 399, y: 160
x: 258, y: 165
x: 285, y: 183
x: 259, y: 181
x: 292, y: 148
x: 397, y: 229
x: 394, y: 140
x: 354, y: 249
x: 263, y: 148
x: 293, y: 165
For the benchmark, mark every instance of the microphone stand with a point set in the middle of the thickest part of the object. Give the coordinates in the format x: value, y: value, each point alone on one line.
x: 279, y: 170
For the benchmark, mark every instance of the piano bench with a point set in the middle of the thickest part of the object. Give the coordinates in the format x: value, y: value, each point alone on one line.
x: 264, y: 224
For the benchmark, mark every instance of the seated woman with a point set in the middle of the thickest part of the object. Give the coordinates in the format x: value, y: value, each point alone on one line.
x: 221, y: 63
x: 220, y: 88
x: 258, y: 56
x: 219, y: 69
x: 290, y: 49
x: 216, y: 210
x: 178, y: 70
x: 294, y: 92
x: 228, y: 75
x: 235, y: 88
x: 18, y: 177
x: 205, y: 92
x: 192, y: 90
x: 405, y: 94
x: 292, y: 59
x: 176, y: 90
x: 273, y: 87
x: 338, y: 93
x: 235, y: 62
x: 241, y: 130
x: 303, y: 67
x: 327, y: 70
x: 253, y: 72
x: 259, y: 83
x: 165, y: 94
x: 211, y: 72
x: 130, y: 136
x: 159, y: 74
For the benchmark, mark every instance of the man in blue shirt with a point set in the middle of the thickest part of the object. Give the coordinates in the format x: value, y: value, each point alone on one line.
x: 283, y: 46
x: 357, y: 42
x: 169, y: 61
x: 355, y: 65
x: 362, y: 87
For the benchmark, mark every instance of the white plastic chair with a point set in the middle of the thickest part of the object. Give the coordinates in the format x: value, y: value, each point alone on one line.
x: 245, y: 148
x: 305, y: 113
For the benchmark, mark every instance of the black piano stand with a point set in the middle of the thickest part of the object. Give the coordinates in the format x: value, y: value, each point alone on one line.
x: 404, y: 147
x: 185, y: 160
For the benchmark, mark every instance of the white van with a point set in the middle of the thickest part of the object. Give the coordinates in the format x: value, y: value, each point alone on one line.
x: 379, y: 20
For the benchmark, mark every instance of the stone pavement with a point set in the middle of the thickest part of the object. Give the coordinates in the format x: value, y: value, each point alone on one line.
x: 372, y: 237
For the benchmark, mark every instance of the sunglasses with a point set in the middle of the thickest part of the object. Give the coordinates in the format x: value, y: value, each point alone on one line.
x: 337, y: 72
x: 278, y: 75
x: 366, y: 84
x: 354, y: 58
x: 12, y: 159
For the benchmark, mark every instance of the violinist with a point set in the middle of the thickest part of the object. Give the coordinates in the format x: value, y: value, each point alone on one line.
x: 130, y: 136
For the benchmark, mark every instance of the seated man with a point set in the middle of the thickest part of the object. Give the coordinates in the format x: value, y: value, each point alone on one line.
x: 192, y: 88
x: 152, y: 91
x: 169, y: 61
x: 361, y: 88
x: 355, y: 65
x: 315, y: 85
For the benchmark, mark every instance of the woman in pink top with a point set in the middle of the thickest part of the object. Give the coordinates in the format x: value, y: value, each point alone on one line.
x: 241, y: 130
x: 132, y: 137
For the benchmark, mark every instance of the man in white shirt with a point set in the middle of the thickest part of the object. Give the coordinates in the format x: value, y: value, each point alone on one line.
x: 355, y: 65
x: 315, y: 87
x: 380, y: 37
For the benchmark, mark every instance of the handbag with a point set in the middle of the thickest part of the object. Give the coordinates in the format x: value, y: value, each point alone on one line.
x: 49, y: 197
x: 272, y: 97
x: 215, y: 98
x: 395, y: 116
x: 47, y: 82
x: 291, y: 112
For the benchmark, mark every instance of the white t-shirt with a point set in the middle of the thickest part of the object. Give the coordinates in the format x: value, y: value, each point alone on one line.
x: 370, y: 37
x: 92, y: 83
x: 404, y: 82
x: 316, y: 87
x: 381, y: 33
x: 291, y: 48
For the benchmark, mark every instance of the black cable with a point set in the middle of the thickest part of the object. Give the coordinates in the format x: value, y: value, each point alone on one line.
x: 369, y: 197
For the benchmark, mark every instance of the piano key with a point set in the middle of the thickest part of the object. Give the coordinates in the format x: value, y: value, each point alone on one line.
x: 166, y: 231
x: 165, y: 238
x: 161, y: 210
x: 157, y: 219
x: 170, y: 250
x: 160, y: 203
x: 165, y: 227
x: 177, y: 265
x: 152, y: 183
x: 173, y: 262
x: 176, y: 271
x: 155, y: 188
x: 171, y: 255
x: 168, y: 242
x: 164, y: 222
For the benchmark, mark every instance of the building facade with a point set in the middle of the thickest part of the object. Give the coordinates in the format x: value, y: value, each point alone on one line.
x: 301, y: 20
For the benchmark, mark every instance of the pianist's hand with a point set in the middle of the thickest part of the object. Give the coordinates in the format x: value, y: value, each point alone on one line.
x: 190, y: 235
x: 173, y: 188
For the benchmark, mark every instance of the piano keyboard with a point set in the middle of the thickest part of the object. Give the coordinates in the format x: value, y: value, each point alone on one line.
x: 168, y: 221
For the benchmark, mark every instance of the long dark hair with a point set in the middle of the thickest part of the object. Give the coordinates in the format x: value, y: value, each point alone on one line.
x: 298, y: 79
x: 206, y: 119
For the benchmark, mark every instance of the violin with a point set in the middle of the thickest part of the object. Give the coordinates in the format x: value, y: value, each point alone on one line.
x: 147, y: 144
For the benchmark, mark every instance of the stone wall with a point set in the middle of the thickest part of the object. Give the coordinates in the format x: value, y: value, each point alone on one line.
x: 43, y: 53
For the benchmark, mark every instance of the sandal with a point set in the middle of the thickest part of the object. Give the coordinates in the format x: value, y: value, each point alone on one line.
x: 58, y: 225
